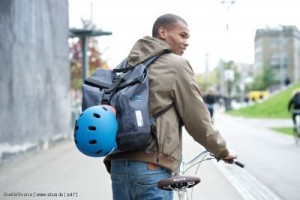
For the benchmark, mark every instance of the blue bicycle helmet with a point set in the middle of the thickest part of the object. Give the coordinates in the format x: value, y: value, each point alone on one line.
x: 95, y: 131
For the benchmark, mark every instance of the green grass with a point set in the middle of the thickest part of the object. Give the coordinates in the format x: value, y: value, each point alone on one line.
x: 285, y: 130
x: 274, y: 107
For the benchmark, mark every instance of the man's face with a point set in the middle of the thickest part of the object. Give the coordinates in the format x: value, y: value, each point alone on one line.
x: 176, y: 35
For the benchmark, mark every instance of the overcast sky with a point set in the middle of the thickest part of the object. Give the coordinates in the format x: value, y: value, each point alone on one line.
x: 130, y: 20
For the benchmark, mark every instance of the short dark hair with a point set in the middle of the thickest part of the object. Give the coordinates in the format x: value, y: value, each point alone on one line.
x: 164, y: 21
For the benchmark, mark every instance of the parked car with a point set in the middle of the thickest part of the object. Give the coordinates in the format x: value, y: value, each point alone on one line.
x: 257, y: 95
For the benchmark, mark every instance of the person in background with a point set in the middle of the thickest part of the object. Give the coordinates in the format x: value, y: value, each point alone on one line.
x: 210, y: 100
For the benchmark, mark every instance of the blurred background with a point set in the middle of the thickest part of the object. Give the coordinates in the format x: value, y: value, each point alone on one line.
x: 245, y: 53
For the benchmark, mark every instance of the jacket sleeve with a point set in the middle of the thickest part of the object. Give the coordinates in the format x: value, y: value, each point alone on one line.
x: 193, y: 111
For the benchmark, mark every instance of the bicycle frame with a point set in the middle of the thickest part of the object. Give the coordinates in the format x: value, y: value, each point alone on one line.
x: 297, y: 125
x: 187, y: 165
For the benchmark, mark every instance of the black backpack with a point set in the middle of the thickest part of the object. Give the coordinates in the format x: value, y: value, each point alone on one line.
x: 127, y: 90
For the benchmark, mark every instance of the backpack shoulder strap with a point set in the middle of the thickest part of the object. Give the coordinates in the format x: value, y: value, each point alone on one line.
x: 152, y: 59
x: 162, y: 111
x: 147, y: 63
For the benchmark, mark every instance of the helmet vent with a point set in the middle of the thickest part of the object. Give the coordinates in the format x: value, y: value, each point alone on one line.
x: 99, y: 151
x: 92, y: 128
x: 93, y: 141
x: 104, y: 108
x: 96, y: 115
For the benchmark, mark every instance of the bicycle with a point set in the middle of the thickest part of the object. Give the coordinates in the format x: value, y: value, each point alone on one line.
x: 296, y: 131
x: 180, y: 182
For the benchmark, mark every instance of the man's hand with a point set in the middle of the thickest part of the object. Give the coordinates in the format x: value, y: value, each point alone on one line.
x: 231, y: 156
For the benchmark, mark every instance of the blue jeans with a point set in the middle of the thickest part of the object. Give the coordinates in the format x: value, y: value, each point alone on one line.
x: 137, y: 181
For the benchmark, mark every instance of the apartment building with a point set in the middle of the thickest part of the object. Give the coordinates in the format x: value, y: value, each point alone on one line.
x: 279, y: 48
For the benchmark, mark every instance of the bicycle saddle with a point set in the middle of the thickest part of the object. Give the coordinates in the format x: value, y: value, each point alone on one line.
x: 178, y: 182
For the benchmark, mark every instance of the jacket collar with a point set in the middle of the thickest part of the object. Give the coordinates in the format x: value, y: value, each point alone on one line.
x: 145, y: 48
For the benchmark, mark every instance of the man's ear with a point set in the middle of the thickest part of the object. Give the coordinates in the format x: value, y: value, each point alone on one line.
x: 162, y: 32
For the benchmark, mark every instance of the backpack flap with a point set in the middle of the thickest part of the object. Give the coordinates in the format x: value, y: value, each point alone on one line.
x: 132, y: 77
x: 94, y: 87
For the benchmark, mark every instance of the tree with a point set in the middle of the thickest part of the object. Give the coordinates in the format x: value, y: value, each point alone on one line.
x: 94, y: 58
x: 231, y: 83
x: 264, y: 79
x: 208, y: 80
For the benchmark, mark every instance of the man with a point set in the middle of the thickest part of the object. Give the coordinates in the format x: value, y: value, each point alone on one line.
x: 135, y: 175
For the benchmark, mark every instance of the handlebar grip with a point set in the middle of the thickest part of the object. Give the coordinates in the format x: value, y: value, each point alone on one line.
x: 239, y: 164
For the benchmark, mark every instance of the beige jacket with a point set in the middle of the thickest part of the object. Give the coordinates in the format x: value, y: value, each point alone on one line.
x: 172, y: 81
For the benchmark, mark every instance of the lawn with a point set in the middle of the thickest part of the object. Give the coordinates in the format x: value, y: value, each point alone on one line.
x: 275, y: 107
x: 285, y: 130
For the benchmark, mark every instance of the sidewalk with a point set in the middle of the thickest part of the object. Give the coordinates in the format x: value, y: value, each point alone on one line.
x: 60, y: 170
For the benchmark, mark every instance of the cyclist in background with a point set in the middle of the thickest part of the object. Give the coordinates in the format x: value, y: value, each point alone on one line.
x: 210, y: 100
x: 294, y: 104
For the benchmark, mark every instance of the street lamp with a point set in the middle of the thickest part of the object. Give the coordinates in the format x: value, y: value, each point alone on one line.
x: 83, y: 34
x: 227, y: 4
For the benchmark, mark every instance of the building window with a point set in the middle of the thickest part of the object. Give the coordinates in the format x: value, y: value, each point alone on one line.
x: 274, y: 59
x: 273, y: 42
x: 258, y: 43
x: 284, y: 41
x: 285, y: 59
x: 258, y: 49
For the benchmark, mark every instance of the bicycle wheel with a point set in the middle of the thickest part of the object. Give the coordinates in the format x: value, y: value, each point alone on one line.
x: 297, y: 130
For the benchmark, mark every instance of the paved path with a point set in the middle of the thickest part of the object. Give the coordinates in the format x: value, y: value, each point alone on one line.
x: 271, y: 159
x: 61, y: 169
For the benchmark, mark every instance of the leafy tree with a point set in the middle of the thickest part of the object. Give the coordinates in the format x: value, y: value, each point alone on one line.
x: 94, y: 58
x: 231, y: 86
x: 207, y: 80
x: 264, y: 79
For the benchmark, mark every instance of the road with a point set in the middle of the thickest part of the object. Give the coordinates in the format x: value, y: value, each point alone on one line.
x: 271, y: 172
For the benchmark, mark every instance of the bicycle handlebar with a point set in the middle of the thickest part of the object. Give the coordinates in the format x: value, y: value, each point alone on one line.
x: 238, y: 163
x: 206, y: 155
